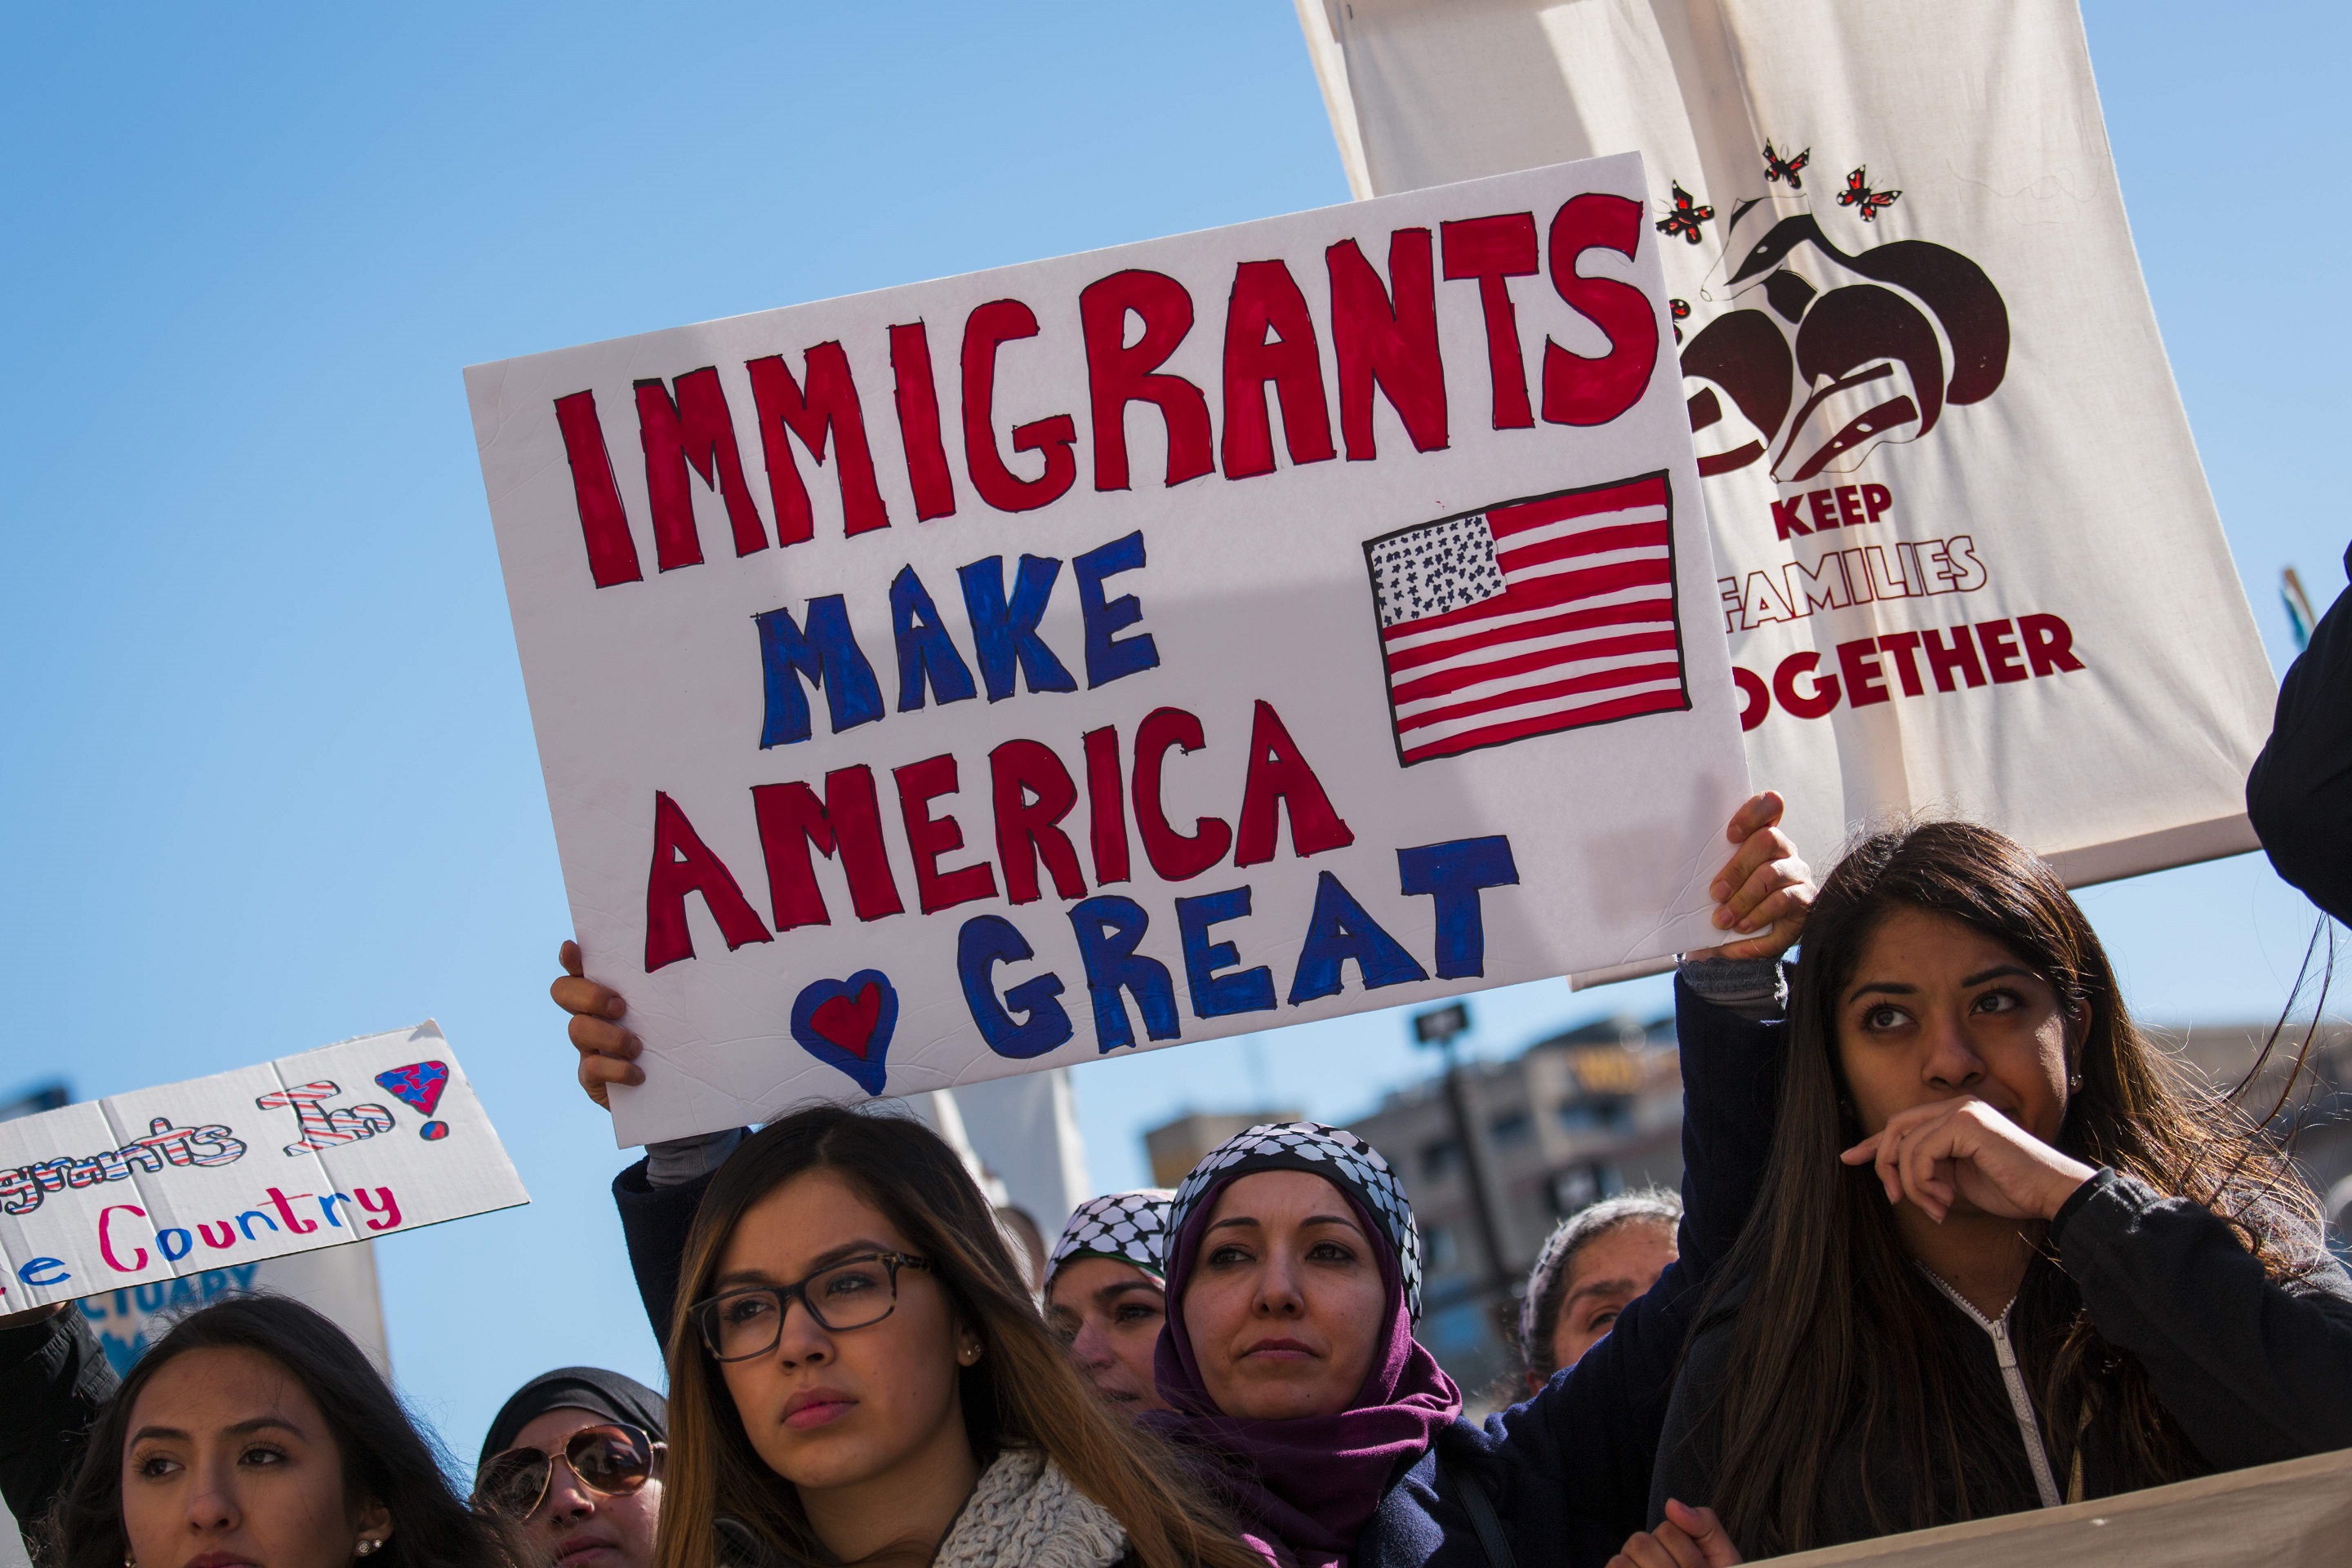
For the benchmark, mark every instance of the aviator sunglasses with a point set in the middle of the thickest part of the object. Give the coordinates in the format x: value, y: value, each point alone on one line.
x: 612, y: 1460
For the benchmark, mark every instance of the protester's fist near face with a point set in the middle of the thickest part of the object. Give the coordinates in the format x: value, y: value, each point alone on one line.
x: 1765, y: 891
x: 1687, y: 1538
x: 1964, y: 1150
x: 1959, y: 1059
x: 608, y: 1053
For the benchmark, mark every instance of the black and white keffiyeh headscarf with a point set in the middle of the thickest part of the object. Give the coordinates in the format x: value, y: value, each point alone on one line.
x: 1334, y: 1153
x: 1126, y: 1227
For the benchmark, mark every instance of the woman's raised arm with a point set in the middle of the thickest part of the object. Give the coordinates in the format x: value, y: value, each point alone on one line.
x: 658, y: 1194
x: 1571, y: 1468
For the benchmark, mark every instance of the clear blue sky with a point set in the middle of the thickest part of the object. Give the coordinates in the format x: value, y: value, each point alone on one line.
x: 266, y: 772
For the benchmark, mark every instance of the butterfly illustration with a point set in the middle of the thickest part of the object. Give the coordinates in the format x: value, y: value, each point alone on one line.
x: 1858, y: 194
x: 1680, y: 312
x: 1686, y: 217
x: 1789, y: 169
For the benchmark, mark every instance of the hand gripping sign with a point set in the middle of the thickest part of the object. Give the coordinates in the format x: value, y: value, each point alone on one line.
x: 1964, y: 552
x: 357, y: 1139
x: 1138, y: 647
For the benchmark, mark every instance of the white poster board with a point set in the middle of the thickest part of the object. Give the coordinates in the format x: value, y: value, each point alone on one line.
x: 1967, y: 557
x: 356, y: 1141
x: 1145, y: 645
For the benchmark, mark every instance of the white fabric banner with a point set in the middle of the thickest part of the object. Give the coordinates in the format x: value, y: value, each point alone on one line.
x: 1025, y: 1132
x: 339, y: 1281
x: 1344, y: 643
x: 1967, y: 560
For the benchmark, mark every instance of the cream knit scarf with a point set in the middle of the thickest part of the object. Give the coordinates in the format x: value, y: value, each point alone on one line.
x: 1025, y: 1513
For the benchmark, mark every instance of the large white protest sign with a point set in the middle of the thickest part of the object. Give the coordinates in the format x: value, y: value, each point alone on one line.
x: 1967, y: 555
x: 356, y: 1141
x: 1137, y: 647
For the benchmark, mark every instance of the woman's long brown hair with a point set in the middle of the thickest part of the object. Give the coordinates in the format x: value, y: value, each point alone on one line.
x: 1833, y: 1348
x: 1023, y: 1392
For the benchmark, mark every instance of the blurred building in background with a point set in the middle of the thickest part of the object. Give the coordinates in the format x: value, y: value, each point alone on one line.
x: 1574, y: 1118
x: 1177, y: 1146
x: 33, y: 1101
x: 1597, y: 1109
x: 2310, y: 1110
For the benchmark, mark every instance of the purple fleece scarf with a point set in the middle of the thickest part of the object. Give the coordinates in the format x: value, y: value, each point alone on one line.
x: 1304, y: 1486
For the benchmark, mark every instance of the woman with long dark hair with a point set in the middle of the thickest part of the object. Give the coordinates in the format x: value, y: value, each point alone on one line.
x: 257, y: 1433
x: 858, y: 1374
x: 2003, y: 1256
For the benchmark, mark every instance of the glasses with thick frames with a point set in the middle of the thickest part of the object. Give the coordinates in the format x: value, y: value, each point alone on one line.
x: 855, y: 1293
x: 612, y: 1461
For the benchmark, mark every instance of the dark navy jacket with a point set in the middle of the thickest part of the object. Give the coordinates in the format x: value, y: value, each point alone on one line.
x: 54, y: 1381
x: 2254, y: 1370
x: 1569, y: 1471
x: 2299, y: 794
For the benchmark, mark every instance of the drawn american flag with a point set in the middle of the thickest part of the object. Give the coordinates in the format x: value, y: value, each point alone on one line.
x: 1548, y: 614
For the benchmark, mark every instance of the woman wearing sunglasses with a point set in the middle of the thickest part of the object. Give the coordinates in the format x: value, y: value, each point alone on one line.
x: 257, y: 1434
x: 858, y: 1374
x: 573, y: 1460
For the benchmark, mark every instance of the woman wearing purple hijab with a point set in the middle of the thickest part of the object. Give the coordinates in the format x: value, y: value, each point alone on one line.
x: 1292, y: 1357
x: 1290, y: 1364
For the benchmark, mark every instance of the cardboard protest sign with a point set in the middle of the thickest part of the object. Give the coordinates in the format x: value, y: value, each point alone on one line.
x: 356, y: 1141
x: 1138, y: 647
x: 1966, y: 554
x: 2292, y: 1514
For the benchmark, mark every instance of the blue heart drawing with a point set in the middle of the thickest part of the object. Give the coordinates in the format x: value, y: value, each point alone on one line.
x: 847, y: 1023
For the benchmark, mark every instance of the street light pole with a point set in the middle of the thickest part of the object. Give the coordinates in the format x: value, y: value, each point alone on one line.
x: 1438, y: 1027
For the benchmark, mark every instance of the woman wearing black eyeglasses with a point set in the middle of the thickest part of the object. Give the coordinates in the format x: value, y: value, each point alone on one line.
x: 858, y: 1374
x: 574, y: 1459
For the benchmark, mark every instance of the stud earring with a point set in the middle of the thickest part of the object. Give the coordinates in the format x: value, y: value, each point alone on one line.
x: 367, y: 1545
x: 969, y: 1354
